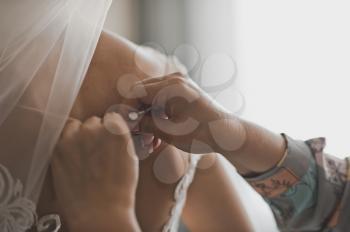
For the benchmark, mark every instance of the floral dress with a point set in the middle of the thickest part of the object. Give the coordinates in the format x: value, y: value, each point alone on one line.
x: 308, y: 190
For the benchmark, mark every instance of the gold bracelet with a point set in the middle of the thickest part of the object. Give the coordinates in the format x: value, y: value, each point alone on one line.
x: 279, y: 164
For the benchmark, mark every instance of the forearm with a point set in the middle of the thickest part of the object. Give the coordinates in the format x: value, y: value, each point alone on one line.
x: 260, y: 151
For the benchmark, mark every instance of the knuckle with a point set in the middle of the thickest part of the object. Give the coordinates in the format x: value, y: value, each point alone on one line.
x: 178, y: 80
x: 86, y: 129
x: 72, y: 121
x: 68, y: 135
x: 70, y: 124
x: 115, y: 124
x: 93, y: 120
x: 114, y: 116
x: 116, y: 129
x: 91, y: 125
x: 69, y: 131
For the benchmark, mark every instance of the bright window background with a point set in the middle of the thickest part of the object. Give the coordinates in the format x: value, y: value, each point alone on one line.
x: 294, y: 67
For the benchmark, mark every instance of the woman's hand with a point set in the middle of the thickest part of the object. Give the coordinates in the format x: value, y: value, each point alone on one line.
x: 183, y: 115
x: 186, y: 117
x: 95, y: 173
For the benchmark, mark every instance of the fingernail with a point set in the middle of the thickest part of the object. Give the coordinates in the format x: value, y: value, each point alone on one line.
x: 157, y: 143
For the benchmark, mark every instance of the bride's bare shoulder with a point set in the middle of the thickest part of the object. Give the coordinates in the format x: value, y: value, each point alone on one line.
x: 114, y: 58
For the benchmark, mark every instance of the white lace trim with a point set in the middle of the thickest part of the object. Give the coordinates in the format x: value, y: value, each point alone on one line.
x: 18, y: 213
x: 49, y: 222
x: 181, y: 195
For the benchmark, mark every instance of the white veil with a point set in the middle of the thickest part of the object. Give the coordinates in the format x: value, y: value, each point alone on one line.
x: 45, y: 49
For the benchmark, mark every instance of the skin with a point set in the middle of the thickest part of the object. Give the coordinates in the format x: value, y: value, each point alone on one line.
x: 251, y: 148
x: 254, y: 150
x: 113, y: 58
x: 224, y: 211
x: 85, y: 159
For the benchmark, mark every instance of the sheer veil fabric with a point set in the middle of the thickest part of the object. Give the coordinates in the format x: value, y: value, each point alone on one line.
x: 45, y: 49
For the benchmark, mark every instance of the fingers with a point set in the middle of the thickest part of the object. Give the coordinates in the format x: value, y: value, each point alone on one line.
x: 152, y: 86
x: 157, y: 79
x: 91, y: 128
x: 152, y: 90
x: 92, y: 123
x: 94, y: 127
x: 68, y: 140
x: 71, y: 128
x: 115, y: 124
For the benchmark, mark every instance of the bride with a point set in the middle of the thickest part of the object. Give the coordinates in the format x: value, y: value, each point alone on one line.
x: 90, y: 142
x: 73, y: 159
x: 57, y: 63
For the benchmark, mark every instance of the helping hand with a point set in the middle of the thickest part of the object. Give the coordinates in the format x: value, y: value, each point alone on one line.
x: 183, y: 115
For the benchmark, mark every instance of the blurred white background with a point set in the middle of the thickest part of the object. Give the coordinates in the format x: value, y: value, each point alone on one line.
x: 294, y: 66
x: 292, y: 62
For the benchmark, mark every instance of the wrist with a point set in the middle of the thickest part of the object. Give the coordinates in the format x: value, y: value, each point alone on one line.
x: 228, y: 135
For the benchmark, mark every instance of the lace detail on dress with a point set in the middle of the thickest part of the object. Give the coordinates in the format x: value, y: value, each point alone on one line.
x: 17, y: 213
x: 49, y: 222
x: 180, y: 195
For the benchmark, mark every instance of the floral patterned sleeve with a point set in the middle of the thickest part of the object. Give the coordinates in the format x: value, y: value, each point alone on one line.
x: 308, y: 190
